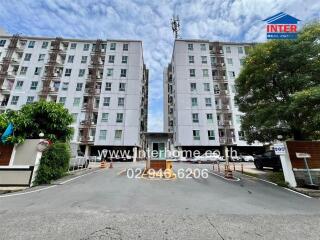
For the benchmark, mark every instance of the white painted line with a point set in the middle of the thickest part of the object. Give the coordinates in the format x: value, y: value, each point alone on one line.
x: 23, y: 193
x: 69, y: 180
x: 297, y: 192
x: 234, y: 180
x: 268, y: 182
x: 46, y: 188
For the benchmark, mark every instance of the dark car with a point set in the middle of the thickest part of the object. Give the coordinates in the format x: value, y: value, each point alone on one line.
x: 268, y: 159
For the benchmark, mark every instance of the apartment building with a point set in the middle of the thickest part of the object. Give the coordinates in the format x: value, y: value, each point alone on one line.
x: 199, y: 90
x: 103, y: 84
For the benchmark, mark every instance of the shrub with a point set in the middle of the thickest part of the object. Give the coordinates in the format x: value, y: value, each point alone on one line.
x: 54, y: 163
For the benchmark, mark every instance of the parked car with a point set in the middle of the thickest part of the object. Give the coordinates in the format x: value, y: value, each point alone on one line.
x: 235, y: 159
x: 207, y: 157
x: 268, y: 159
x: 246, y: 158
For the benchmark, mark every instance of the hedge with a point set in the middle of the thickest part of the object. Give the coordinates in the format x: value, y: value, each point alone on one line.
x: 54, y: 163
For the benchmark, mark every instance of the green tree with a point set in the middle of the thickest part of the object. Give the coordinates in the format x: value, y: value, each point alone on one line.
x: 50, y: 118
x: 278, y: 88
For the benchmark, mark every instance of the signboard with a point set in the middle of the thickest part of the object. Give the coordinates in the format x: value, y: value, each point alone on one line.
x: 303, y: 155
x: 279, y: 149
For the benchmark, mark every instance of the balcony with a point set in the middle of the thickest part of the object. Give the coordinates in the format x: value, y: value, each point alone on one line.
x: 83, y: 139
x: 92, y: 91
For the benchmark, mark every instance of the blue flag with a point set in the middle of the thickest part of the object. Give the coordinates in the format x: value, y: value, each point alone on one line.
x: 7, y: 133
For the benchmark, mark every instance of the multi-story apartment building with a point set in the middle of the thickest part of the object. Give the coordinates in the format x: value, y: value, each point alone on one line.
x: 199, y: 90
x: 103, y: 84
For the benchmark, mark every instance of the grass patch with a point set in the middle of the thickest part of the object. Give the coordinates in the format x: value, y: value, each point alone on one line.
x: 251, y: 174
x: 278, y: 178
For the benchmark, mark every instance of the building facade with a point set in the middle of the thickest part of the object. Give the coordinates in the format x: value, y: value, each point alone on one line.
x: 199, y: 90
x: 103, y: 84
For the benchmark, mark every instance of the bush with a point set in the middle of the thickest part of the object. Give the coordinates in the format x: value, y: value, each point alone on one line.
x: 278, y: 178
x: 54, y: 163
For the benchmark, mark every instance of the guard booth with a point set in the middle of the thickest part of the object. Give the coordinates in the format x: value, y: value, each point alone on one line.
x: 159, y: 145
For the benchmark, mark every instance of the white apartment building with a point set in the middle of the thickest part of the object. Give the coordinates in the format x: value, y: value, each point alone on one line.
x: 103, y: 84
x: 199, y: 90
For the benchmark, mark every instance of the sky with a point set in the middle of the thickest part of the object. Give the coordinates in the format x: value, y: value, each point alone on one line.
x: 149, y: 21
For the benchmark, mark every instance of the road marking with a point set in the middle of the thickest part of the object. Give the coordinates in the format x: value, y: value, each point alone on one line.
x: 297, y: 192
x: 46, y: 188
x: 121, y: 172
x: 229, y: 179
x: 268, y: 182
x: 23, y: 193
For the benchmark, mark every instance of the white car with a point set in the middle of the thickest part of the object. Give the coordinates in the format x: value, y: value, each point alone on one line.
x: 246, y: 158
x: 207, y: 157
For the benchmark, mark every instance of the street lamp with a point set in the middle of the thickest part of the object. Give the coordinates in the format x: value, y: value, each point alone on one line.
x: 41, y: 135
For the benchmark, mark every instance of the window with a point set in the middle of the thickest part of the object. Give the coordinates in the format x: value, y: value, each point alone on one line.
x: 62, y: 100
x: 106, y: 101
x: 196, y: 134
x: 229, y: 61
x: 34, y: 85
x: 75, y: 117
x: 240, y: 50
x: 14, y: 100
x: 190, y: 46
x: 194, y: 102
x: 125, y: 47
x: 241, y: 61
x: 108, y: 86
x: 37, y: 71
x: 241, y: 135
x: 205, y: 73
x: 30, y: 99
x: 206, y: 87
x: 65, y: 86
x: 228, y: 49
x: 195, y: 117
x: 79, y: 87
x: 23, y: 70
x: 120, y: 102
x: 213, y: 60
x: 68, y: 72
x: 238, y: 119
x: 117, y: 134
x: 41, y: 57
x: 110, y: 72
x: 192, y: 72
x: 203, y: 46
x: 2, y: 43
x: 208, y: 102
x: 31, y: 44
x: 191, y: 59
x: 86, y: 47
x: 204, y: 60
x: 123, y: 73
x: 73, y: 46
x: 104, y: 117
x: 19, y: 85
x: 111, y: 58
x: 76, y: 102
x: 27, y: 57
x: 209, y: 118
x: 211, y: 135
x: 232, y: 74
x: 84, y: 59
x: 193, y: 87
x: 113, y: 46
x: 119, y: 118
x: 70, y: 59
x: 124, y: 59
x: 103, y: 135
x: 81, y: 72
x: 45, y: 45
x: 122, y: 87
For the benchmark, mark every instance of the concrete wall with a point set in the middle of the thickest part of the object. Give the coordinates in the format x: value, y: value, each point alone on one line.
x: 23, y: 166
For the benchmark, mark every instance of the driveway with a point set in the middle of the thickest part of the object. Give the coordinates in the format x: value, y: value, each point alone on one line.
x: 106, y: 204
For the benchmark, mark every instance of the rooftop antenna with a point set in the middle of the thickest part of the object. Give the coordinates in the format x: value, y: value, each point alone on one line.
x: 175, y: 25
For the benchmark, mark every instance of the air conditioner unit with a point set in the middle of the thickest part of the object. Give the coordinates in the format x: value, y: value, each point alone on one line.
x: 228, y: 107
x: 98, y: 77
x: 93, y: 123
x: 91, y: 138
x: 219, y: 123
x: 230, y: 123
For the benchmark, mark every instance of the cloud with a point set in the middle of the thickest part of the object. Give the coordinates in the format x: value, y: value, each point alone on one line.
x: 149, y: 21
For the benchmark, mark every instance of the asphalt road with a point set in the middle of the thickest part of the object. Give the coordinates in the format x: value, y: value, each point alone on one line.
x: 108, y: 205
